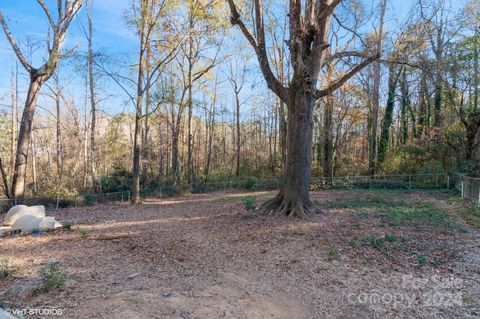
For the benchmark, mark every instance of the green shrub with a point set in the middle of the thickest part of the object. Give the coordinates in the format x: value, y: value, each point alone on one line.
x: 333, y: 254
x: 84, y: 233
x: 250, y: 203
x: 8, y: 268
x: 89, y: 200
x: 251, y: 183
x: 67, y: 225
x: 52, y: 276
x: 118, y: 180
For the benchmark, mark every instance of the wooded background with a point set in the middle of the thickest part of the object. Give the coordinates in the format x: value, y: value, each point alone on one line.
x: 197, y: 111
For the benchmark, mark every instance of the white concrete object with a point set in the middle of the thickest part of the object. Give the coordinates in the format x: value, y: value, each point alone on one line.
x: 18, y: 211
x: 24, y: 219
x: 29, y: 223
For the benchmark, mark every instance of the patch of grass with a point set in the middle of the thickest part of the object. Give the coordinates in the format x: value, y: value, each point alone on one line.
x: 333, y: 254
x: 369, y: 201
x: 250, y: 203
x: 418, y: 217
x: 67, y: 225
x: 470, y: 213
x: 84, y: 233
x: 52, y: 276
x: 386, y: 244
x: 8, y: 268
x: 421, y: 259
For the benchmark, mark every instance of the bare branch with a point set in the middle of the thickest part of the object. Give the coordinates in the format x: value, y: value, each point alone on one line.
x: 70, y: 52
x: 338, y: 83
x: 259, y: 47
x: 14, y: 45
x: 47, y: 13
x: 325, y: 12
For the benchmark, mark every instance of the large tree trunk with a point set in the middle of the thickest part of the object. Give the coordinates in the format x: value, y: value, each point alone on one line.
x: 309, y: 35
x: 293, y: 198
x: 19, y: 174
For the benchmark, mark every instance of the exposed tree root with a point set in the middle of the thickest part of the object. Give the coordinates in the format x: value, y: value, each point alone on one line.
x: 291, y: 207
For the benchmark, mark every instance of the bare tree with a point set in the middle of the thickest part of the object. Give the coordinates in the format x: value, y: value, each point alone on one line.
x: 237, y: 79
x: 309, y: 30
x: 38, y: 76
x: 93, y: 100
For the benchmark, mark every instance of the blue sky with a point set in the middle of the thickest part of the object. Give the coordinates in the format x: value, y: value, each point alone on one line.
x: 27, y: 21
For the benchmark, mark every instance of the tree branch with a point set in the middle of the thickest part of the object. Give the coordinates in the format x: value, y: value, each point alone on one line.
x: 47, y: 13
x: 259, y: 47
x: 15, y: 48
x: 338, y: 83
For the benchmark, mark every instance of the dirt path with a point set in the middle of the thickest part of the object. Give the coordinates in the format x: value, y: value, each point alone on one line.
x: 204, y: 256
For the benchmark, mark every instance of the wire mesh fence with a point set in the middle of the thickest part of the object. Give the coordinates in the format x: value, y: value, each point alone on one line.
x: 408, y: 181
x: 468, y: 187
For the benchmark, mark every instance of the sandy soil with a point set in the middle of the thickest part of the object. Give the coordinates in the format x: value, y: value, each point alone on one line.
x: 205, y: 256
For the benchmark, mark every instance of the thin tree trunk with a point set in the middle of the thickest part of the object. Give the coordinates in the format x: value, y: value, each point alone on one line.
x: 190, y: 104
x: 146, y: 129
x: 4, y: 175
x: 14, y: 93
x: 34, y: 163
x: 423, y: 108
x: 238, y: 136
x: 19, y: 175
x: 327, y: 131
x: 406, y: 106
x: 388, y: 118
x: 58, y: 131
x: 137, y: 138
x: 175, y: 160
x: 376, y: 95
x: 93, y: 103
x: 210, y: 140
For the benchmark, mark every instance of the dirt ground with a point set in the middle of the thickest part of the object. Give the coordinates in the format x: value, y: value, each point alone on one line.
x: 382, y: 254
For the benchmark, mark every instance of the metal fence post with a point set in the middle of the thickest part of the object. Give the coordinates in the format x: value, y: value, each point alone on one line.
x: 462, y: 189
x: 448, y: 181
x: 479, y: 197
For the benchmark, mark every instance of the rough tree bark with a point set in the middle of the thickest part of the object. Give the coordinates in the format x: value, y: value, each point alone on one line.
x: 308, y: 44
x: 38, y: 76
